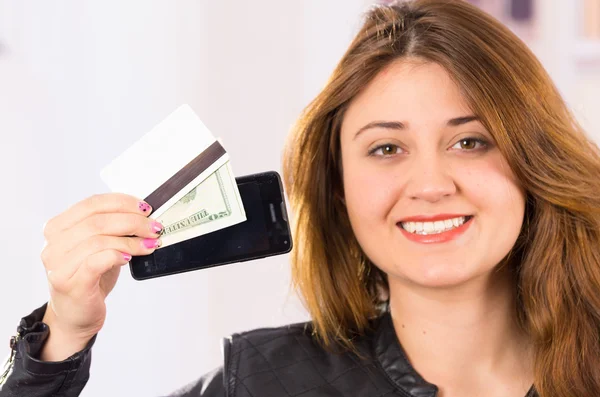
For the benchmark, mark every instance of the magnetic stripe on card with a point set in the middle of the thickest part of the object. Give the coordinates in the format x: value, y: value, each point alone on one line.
x: 185, y: 175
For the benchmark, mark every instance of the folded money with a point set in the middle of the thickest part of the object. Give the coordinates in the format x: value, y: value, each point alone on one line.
x: 210, y: 206
x: 184, y: 173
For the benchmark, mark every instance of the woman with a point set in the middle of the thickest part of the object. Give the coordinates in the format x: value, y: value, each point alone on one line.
x: 447, y: 233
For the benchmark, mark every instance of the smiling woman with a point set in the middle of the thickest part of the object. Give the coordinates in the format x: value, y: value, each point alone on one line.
x: 439, y: 175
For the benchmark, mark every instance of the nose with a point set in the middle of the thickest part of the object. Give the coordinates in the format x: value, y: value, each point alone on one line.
x: 429, y: 178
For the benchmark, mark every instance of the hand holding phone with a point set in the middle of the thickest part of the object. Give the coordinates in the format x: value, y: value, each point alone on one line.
x: 87, y: 245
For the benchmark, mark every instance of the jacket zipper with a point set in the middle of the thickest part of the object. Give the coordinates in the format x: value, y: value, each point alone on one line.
x: 10, y: 362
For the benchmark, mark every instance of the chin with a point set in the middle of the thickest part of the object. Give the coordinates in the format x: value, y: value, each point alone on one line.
x: 439, y: 282
x: 438, y: 276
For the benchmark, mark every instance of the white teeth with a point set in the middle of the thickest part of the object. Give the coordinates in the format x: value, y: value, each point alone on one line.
x: 433, y: 227
x: 418, y: 227
x: 428, y: 227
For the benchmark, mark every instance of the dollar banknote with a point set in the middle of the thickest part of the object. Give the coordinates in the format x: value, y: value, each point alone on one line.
x: 212, y: 205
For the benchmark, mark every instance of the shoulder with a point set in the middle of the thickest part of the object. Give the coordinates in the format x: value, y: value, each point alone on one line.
x: 264, y: 359
x: 288, y: 360
x: 290, y: 339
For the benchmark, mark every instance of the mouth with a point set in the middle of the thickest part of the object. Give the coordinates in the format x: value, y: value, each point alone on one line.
x: 435, y: 228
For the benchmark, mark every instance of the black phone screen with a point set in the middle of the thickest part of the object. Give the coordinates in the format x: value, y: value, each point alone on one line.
x: 265, y: 232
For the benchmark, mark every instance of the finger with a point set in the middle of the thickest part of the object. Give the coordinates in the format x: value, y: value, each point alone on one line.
x: 114, y: 224
x: 68, y: 263
x: 94, y: 265
x: 97, y: 204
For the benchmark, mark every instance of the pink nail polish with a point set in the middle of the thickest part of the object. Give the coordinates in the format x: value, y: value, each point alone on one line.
x: 157, y: 227
x: 127, y: 257
x: 144, y: 207
x: 151, y: 242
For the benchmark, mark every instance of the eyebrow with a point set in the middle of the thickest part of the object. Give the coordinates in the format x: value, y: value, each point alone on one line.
x: 397, y: 125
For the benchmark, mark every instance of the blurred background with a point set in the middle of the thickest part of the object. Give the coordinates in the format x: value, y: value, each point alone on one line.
x: 82, y: 80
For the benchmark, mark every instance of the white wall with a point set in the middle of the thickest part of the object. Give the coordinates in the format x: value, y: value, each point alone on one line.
x: 573, y: 63
x: 82, y: 80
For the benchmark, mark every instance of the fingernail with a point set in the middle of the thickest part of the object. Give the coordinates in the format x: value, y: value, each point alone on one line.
x: 127, y: 257
x: 152, y: 242
x: 157, y: 227
x: 144, y: 207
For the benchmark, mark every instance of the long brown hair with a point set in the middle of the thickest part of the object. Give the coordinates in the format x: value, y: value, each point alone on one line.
x: 556, y: 258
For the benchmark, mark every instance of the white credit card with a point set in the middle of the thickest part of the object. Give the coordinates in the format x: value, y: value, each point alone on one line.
x: 168, y: 162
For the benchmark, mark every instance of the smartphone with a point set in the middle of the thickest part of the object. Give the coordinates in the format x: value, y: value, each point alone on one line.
x: 265, y: 232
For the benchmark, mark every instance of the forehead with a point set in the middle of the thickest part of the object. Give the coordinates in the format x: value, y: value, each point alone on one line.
x: 415, y: 92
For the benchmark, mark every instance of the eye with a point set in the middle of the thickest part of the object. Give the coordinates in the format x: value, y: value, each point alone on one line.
x: 387, y: 149
x: 469, y: 143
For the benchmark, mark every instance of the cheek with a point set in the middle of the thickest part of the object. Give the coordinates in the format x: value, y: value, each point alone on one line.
x: 497, y: 197
x: 492, y: 186
x: 369, y: 197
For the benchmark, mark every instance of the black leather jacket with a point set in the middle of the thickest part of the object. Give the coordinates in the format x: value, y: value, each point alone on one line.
x: 280, y: 362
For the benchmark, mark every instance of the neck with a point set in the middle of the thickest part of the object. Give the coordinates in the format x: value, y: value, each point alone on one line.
x: 462, y: 335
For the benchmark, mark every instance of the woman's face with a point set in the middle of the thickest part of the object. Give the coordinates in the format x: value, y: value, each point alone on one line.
x: 423, y: 159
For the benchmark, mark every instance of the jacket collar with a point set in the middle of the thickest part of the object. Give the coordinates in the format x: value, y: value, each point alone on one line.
x: 392, y: 358
x: 394, y: 362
